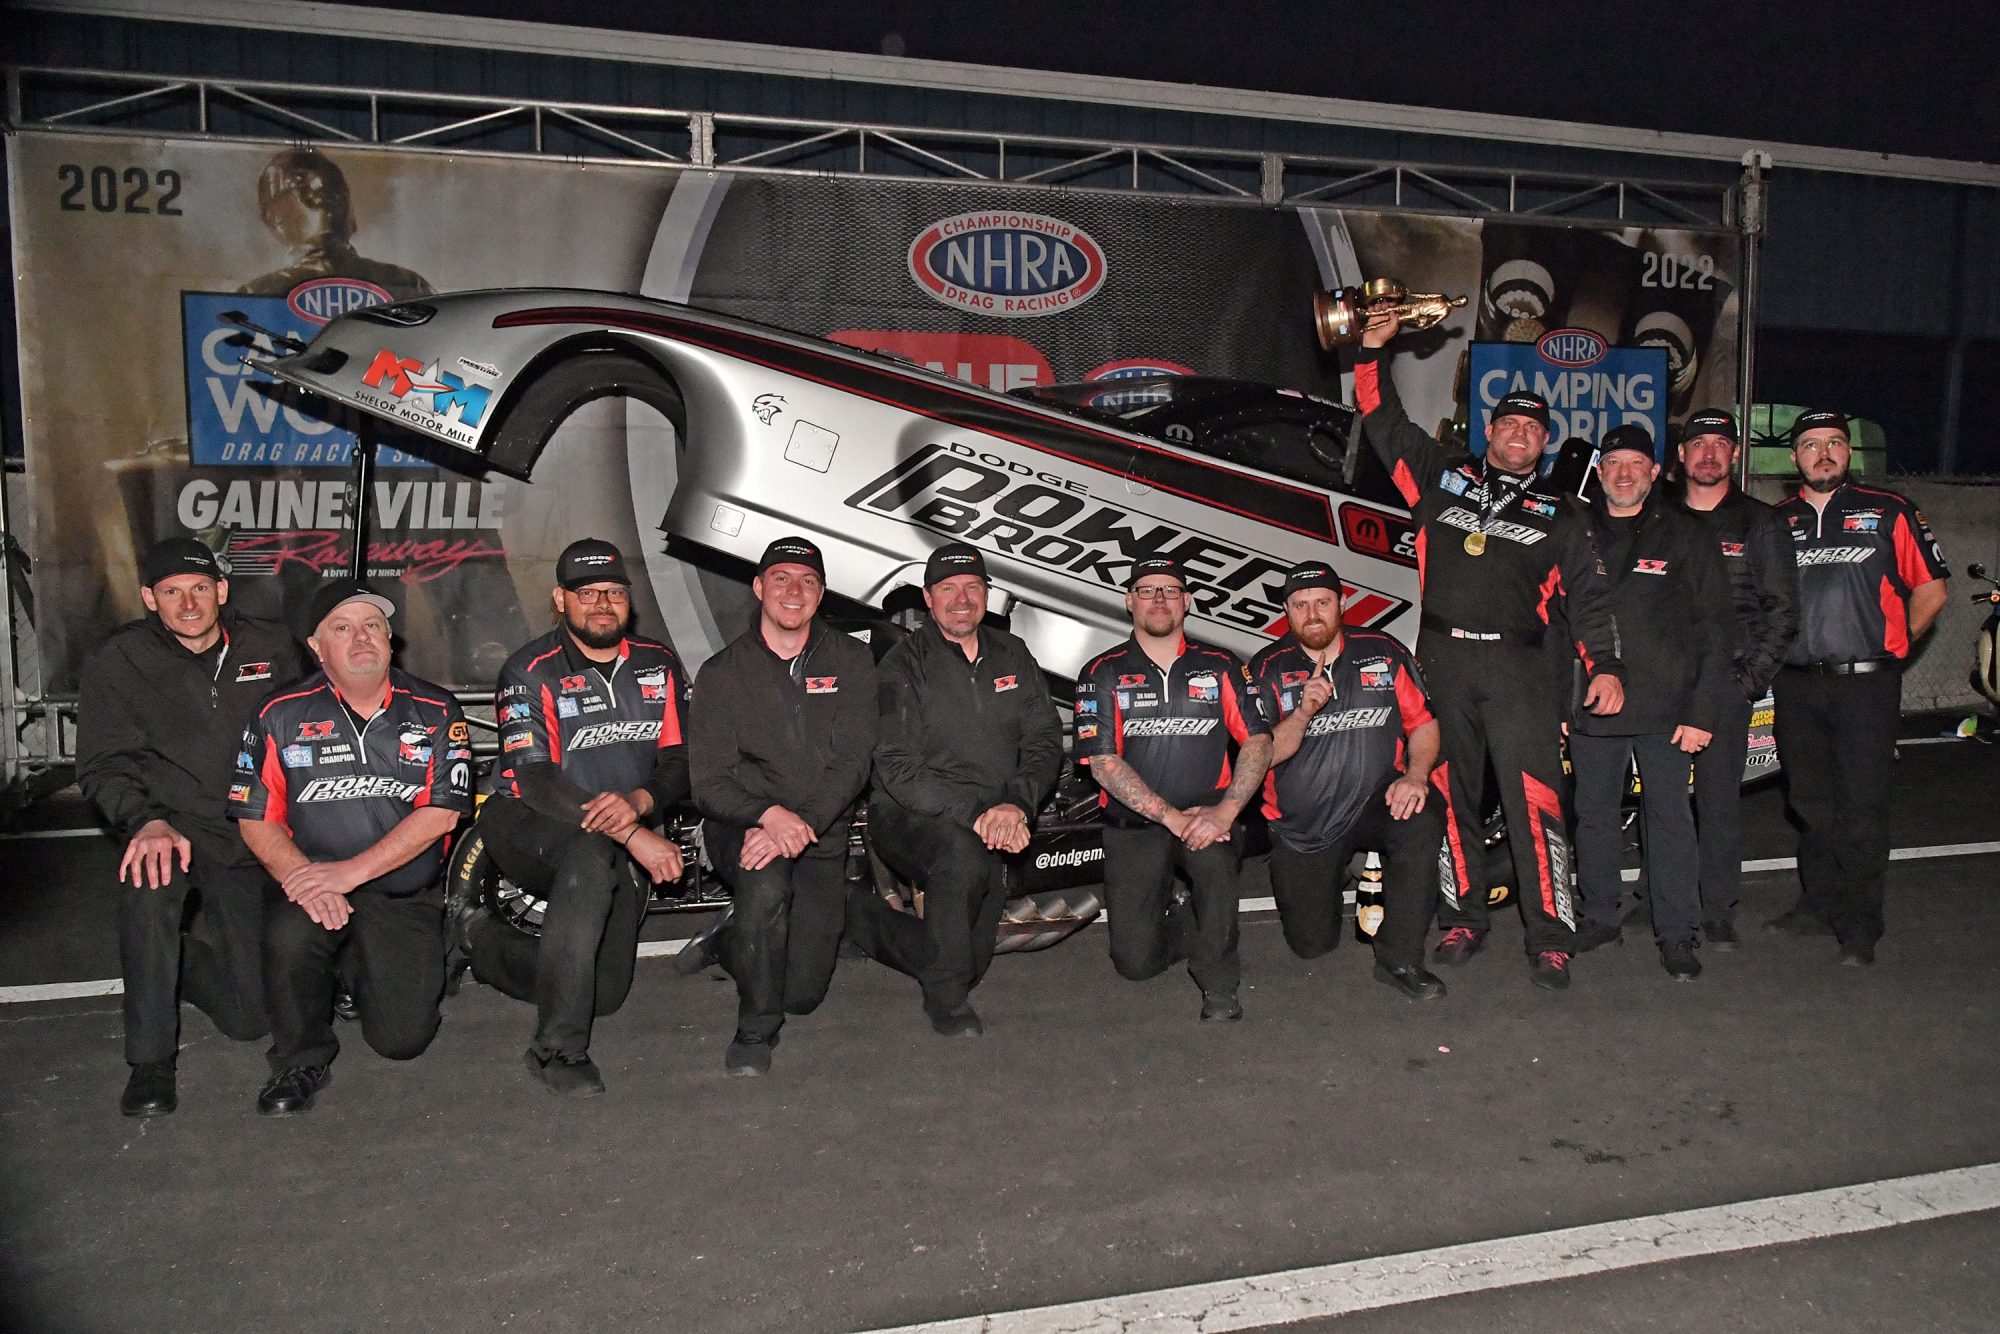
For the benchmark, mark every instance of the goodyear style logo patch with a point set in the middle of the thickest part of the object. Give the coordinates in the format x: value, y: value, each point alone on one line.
x: 1007, y: 263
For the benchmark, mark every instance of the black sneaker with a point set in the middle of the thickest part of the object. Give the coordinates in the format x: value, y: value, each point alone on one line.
x: 704, y: 950
x: 748, y: 1056
x: 459, y: 915
x: 1549, y: 970
x: 1800, y: 920
x: 1677, y: 957
x: 1220, y: 1007
x: 963, y: 1022
x: 1857, y: 954
x: 150, y: 1090
x: 1459, y: 944
x: 292, y: 1091
x: 1721, y: 936
x: 345, y: 1007
x: 571, y: 1074
x: 1413, y: 980
x: 1595, y: 935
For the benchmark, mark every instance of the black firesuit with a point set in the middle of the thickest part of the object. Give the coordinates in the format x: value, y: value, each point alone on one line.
x: 958, y: 738
x: 1764, y: 595
x: 157, y: 728
x: 764, y: 731
x: 571, y: 728
x: 1495, y: 688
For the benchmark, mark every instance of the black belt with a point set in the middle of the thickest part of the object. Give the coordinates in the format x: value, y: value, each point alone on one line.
x: 1849, y: 668
x: 1438, y: 625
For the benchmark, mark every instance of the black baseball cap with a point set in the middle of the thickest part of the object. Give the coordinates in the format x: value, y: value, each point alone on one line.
x: 1712, y: 421
x: 1311, y: 574
x: 793, y: 551
x: 335, y: 593
x: 1819, y: 419
x: 179, y: 555
x: 1629, y: 436
x: 591, y: 560
x: 1156, y: 565
x: 1521, y: 403
x: 951, y: 559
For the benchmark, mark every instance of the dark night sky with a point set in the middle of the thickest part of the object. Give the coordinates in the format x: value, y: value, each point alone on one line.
x: 1915, y: 78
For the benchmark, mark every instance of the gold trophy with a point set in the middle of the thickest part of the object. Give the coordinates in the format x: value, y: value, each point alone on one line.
x: 1339, y: 316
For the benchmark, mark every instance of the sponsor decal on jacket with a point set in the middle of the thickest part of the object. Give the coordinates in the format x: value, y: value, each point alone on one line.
x: 1649, y: 567
x: 1007, y: 263
x: 1375, y: 673
x: 239, y: 792
x: 1467, y: 521
x: 1001, y: 683
x: 822, y: 685
x: 253, y: 671
x: 356, y: 786
x: 1537, y: 505
x: 521, y: 742
x: 1733, y: 550
x: 1131, y: 679
x: 459, y: 733
x: 1455, y: 481
x: 512, y: 713
x: 413, y: 744
x: 1861, y: 523
x: 573, y: 685
x: 294, y: 757
x: 1086, y: 731
x: 652, y: 683
x: 566, y: 707
x: 612, y: 734
x: 315, y: 731
x: 1203, y: 688
x: 1833, y: 556
x: 1347, y: 720
x: 1170, y: 726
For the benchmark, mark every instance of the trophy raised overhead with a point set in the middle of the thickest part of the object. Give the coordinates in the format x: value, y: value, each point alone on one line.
x: 1339, y: 316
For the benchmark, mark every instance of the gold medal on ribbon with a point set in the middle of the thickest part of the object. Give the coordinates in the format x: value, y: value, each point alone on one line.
x: 1475, y: 544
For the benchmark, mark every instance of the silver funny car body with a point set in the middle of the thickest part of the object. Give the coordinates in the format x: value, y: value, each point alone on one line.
x: 880, y: 460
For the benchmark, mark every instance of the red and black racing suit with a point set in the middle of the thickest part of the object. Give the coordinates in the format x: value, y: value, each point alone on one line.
x: 1497, y: 690
x: 338, y: 783
x: 1839, y: 694
x: 1330, y: 797
x: 1176, y: 729
x: 570, y: 728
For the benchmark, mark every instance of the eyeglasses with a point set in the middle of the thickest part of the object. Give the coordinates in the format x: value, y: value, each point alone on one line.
x: 590, y: 597
x: 1159, y: 593
x: 1822, y: 446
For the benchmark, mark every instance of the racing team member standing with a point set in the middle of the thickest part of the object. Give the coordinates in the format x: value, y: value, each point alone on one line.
x: 1494, y: 551
x: 1670, y: 596
x: 1764, y: 592
x: 781, y: 735
x: 1154, y: 720
x: 1871, y: 582
x: 161, y: 708
x: 970, y: 745
x: 347, y: 787
x: 1351, y: 761
x: 591, y: 758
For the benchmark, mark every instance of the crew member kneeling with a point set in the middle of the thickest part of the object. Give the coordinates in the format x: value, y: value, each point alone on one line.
x: 356, y: 775
x: 1351, y: 761
x: 970, y: 746
x: 591, y: 760
x: 1155, y: 717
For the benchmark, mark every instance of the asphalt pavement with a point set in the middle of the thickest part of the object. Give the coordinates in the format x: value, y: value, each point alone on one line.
x: 1097, y: 1141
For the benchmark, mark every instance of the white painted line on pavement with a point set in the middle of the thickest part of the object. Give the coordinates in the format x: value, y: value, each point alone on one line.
x: 1448, y: 1271
x: 653, y: 949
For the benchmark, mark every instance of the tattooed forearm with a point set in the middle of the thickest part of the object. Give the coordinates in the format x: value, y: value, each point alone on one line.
x: 1251, y: 762
x: 1122, y: 781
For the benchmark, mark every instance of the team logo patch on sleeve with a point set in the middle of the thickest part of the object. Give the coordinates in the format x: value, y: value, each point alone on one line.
x: 316, y: 731
x: 239, y: 792
x: 822, y: 685
x: 253, y: 671
x: 1001, y: 683
x: 521, y: 742
x: 1086, y: 731
x: 459, y: 733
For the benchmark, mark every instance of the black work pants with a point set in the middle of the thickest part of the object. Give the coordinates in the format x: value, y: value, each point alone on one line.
x: 1669, y: 852
x: 1497, y: 704
x: 580, y: 966
x: 217, y: 964
x: 395, y: 958
x: 1309, y: 885
x: 783, y: 939
x: 1718, y: 805
x: 1837, y: 741
x: 949, y: 948
x: 1139, y: 867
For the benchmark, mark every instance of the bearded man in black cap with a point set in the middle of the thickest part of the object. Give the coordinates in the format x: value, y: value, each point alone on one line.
x: 1497, y: 554
x: 161, y: 709
x: 592, y: 759
x: 1871, y: 582
x: 969, y: 748
x: 1764, y: 600
x: 1351, y: 758
x: 1670, y: 595
x: 1157, y: 719
x: 781, y: 736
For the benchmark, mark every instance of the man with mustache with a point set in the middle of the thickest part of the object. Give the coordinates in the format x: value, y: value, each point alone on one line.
x: 346, y: 789
x: 161, y: 708
x: 1351, y: 759
x: 1764, y: 601
x: 1871, y: 582
x: 591, y: 762
x: 781, y: 736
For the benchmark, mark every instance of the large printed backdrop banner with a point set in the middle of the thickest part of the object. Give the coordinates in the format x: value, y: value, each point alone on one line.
x: 142, y: 421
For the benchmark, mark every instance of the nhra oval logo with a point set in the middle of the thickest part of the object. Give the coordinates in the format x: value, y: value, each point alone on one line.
x: 322, y: 300
x: 1121, y: 400
x: 1572, y: 347
x: 1008, y: 264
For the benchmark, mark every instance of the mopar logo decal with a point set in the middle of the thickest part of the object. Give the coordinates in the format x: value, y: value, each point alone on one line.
x: 321, y: 300
x: 1573, y: 347
x: 1006, y: 263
